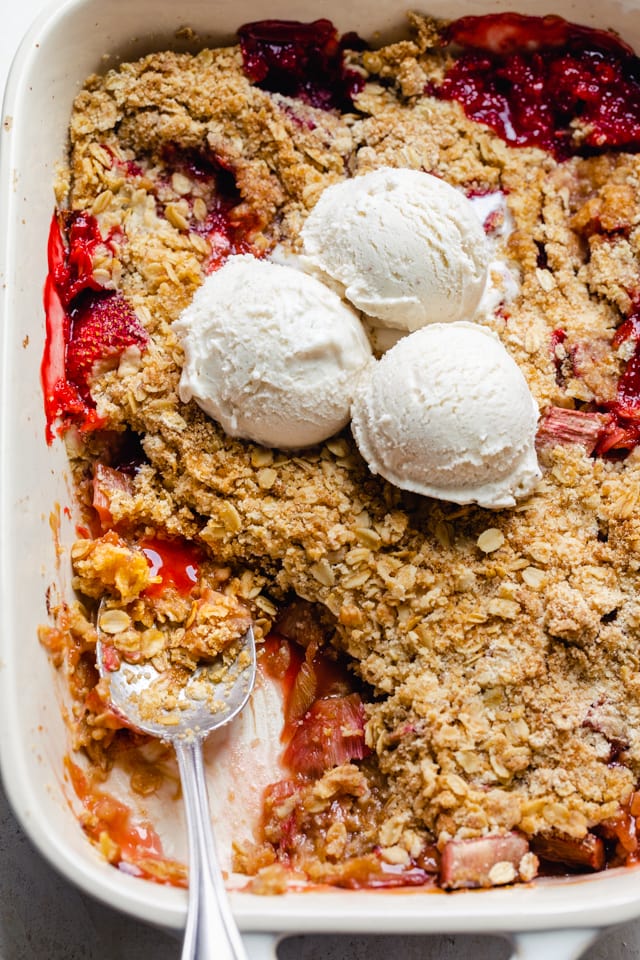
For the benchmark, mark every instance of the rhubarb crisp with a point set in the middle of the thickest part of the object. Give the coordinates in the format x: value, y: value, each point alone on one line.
x: 461, y: 686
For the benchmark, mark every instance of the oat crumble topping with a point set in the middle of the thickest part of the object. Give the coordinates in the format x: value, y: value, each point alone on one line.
x: 499, y: 648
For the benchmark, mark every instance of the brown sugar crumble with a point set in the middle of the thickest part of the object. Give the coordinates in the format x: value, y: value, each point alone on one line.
x: 496, y: 653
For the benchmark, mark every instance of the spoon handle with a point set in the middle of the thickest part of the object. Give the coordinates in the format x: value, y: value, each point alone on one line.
x: 211, y: 931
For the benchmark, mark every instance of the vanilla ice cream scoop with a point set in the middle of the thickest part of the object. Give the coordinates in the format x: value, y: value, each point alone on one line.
x: 271, y: 353
x: 447, y: 413
x: 406, y: 247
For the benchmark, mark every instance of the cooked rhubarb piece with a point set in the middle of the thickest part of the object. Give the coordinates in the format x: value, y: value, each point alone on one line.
x: 571, y: 426
x: 330, y: 733
x: 281, y: 831
x: 296, y: 655
x: 108, y: 484
x: 482, y: 862
x: 111, y: 658
x: 303, y: 692
x: 541, y: 81
x: 585, y: 854
x: 301, y: 622
x: 622, y: 831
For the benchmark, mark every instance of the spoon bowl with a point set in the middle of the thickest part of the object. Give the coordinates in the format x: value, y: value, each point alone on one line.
x: 171, y: 705
x: 182, y: 707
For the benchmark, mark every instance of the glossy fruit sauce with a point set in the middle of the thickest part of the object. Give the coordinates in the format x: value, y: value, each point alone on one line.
x: 544, y: 82
x: 173, y: 563
x: 303, y: 60
x: 130, y: 843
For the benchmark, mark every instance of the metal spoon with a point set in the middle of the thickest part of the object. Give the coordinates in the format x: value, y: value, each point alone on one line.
x: 212, y: 697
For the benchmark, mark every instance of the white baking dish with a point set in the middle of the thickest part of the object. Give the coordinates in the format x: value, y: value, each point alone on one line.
x: 63, y: 47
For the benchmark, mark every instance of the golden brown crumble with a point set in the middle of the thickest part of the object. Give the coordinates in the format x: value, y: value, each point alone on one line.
x: 168, y: 629
x: 501, y: 647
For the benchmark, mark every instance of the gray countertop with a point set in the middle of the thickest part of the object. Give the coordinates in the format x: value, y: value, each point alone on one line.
x: 42, y: 917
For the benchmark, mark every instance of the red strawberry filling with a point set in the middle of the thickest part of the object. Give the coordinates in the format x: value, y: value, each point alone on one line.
x: 102, y: 327
x: 227, y: 224
x: 86, y: 325
x: 608, y: 428
x: 622, y: 433
x: 544, y: 82
x: 73, y: 266
x: 303, y: 60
